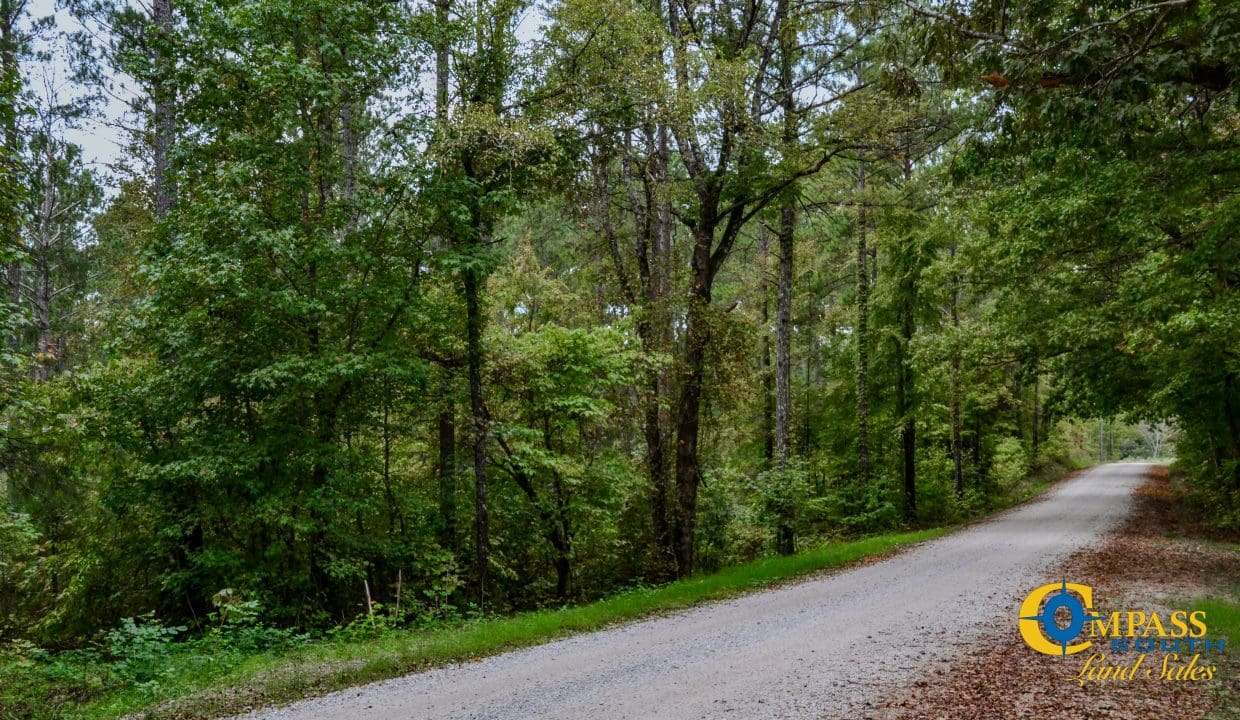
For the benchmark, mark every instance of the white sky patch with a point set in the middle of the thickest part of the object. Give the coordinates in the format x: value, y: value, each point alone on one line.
x: 101, y: 137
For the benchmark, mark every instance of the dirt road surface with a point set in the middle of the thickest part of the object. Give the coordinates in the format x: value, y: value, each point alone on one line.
x: 825, y: 648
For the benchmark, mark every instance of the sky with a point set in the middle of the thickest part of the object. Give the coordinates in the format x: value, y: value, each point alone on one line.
x: 100, y: 138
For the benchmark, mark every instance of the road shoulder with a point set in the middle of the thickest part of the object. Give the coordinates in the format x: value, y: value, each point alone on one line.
x: 1160, y: 556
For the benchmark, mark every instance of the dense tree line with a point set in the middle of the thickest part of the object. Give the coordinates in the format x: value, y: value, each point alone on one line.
x: 473, y: 307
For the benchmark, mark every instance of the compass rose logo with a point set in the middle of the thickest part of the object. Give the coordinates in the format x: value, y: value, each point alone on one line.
x: 1037, y: 621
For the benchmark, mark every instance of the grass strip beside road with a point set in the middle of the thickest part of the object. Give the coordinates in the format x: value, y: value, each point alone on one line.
x: 327, y: 665
x: 204, y: 680
x: 1223, y: 620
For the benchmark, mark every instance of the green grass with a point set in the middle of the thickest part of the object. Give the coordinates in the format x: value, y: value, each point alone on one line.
x: 1223, y: 620
x: 199, y: 680
x: 207, y: 678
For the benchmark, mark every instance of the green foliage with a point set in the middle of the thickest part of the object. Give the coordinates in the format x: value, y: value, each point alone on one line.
x: 786, y: 501
x: 246, y: 418
x: 862, y: 509
x: 936, y: 494
x: 727, y: 529
x: 239, y: 626
x: 134, y: 665
x: 210, y: 676
x: 139, y: 650
x: 272, y: 320
x: 1108, y: 221
x: 1011, y: 462
x: 19, y: 568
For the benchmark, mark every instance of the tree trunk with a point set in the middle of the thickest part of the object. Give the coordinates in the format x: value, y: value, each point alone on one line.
x: 697, y: 335
x: 446, y: 426
x: 863, y: 340
x: 10, y: 85
x: 644, y: 179
x: 722, y: 210
x: 13, y: 278
x: 165, y: 186
x: 481, y: 428
x: 563, y: 575
x: 473, y: 278
x: 320, y: 475
x: 1233, y: 422
x: 976, y: 448
x: 768, y: 377
x: 657, y: 467
x: 906, y: 389
x: 44, y: 240
x: 785, y: 535
x: 908, y: 439
x: 1035, y: 429
x: 472, y: 281
x: 654, y: 263
x: 957, y: 390
x: 441, y: 62
x: 904, y: 408
x: 446, y: 419
x: 349, y: 149
x: 553, y: 516
x: 395, y: 516
x: 787, y: 237
x: 687, y: 421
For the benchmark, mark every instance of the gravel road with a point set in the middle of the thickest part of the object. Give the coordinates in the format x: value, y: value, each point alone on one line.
x: 824, y: 648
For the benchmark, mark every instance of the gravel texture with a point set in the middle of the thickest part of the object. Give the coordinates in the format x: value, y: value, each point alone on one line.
x: 830, y: 647
x: 1158, y: 556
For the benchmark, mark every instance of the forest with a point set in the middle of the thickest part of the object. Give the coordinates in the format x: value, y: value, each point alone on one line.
x: 444, y: 310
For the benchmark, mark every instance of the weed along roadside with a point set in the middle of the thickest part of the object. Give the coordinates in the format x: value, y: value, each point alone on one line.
x: 142, y: 667
x: 219, y: 675
x: 243, y: 664
x: 786, y: 652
